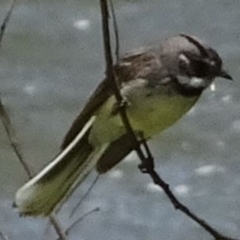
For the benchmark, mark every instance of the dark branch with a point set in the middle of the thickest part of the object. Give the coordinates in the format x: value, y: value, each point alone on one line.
x: 85, y: 196
x: 11, y: 133
x: 3, y: 236
x: 6, y: 20
x: 12, y: 138
x: 147, y: 162
x: 179, y: 206
x: 79, y: 220
x: 116, y: 32
x: 112, y: 78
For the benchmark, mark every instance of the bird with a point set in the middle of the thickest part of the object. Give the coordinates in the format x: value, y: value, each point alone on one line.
x: 159, y: 85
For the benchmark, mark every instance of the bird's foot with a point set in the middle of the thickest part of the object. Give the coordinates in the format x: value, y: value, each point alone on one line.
x: 146, y: 166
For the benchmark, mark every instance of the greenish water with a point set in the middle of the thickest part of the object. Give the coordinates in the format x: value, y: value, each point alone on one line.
x: 50, y: 61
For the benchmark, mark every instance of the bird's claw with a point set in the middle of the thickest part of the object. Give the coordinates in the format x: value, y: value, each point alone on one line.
x: 147, y: 166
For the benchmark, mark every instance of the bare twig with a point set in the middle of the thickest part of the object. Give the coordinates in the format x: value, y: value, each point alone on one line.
x: 147, y: 163
x: 57, y: 227
x: 85, y: 195
x: 79, y: 220
x: 6, y: 19
x: 12, y: 138
x: 179, y: 206
x: 116, y: 32
x: 3, y: 112
x: 3, y: 236
x: 111, y: 75
x: 14, y: 144
x: 11, y: 133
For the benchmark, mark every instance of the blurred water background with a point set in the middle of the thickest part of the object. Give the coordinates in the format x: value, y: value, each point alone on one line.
x: 50, y: 61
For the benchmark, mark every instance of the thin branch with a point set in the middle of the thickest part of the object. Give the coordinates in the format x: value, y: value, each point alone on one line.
x: 6, y: 20
x: 3, y: 112
x: 147, y: 163
x: 3, y: 236
x: 14, y: 144
x: 107, y: 50
x: 179, y: 206
x: 116, y: 31
x: 79, y: 220
x: 112, y: 78
x: 11, y: 133
x: 57, y: 227
x: 85, y: 195
x: 12, y: 138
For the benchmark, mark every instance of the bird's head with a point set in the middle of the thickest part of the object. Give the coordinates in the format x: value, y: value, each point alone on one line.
x: 192, y: 63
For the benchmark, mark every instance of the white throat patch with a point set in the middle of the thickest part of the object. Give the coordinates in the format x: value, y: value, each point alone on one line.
x: 197, y: 82
x: 193, y: 82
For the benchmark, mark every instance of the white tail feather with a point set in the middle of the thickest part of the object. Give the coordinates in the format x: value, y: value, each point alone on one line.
x: 54, y: 184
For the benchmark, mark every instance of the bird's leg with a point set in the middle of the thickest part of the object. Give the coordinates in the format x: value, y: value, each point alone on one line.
x: 124, y: 104
x: 147, y: 165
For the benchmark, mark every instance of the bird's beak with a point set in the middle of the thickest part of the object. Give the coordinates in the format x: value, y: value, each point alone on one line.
x: 225, y: 74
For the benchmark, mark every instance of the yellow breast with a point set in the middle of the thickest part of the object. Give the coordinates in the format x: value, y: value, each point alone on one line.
x: 149, y: 114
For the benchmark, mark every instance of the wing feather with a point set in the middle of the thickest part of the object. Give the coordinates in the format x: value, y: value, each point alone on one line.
x: 138, y: 64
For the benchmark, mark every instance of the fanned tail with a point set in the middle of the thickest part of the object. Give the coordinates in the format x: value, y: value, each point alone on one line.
x: 55, y: 183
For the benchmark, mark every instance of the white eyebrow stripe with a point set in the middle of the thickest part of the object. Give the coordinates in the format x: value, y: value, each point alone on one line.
x: 184, y: 58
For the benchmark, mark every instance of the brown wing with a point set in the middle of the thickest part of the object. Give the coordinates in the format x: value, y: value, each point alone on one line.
x: 95, y: 101
x: 115, y: 153
x: 131, y: 66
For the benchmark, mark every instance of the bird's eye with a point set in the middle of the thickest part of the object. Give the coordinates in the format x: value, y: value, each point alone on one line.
x: 194, y: 66
x: 200, y: 68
